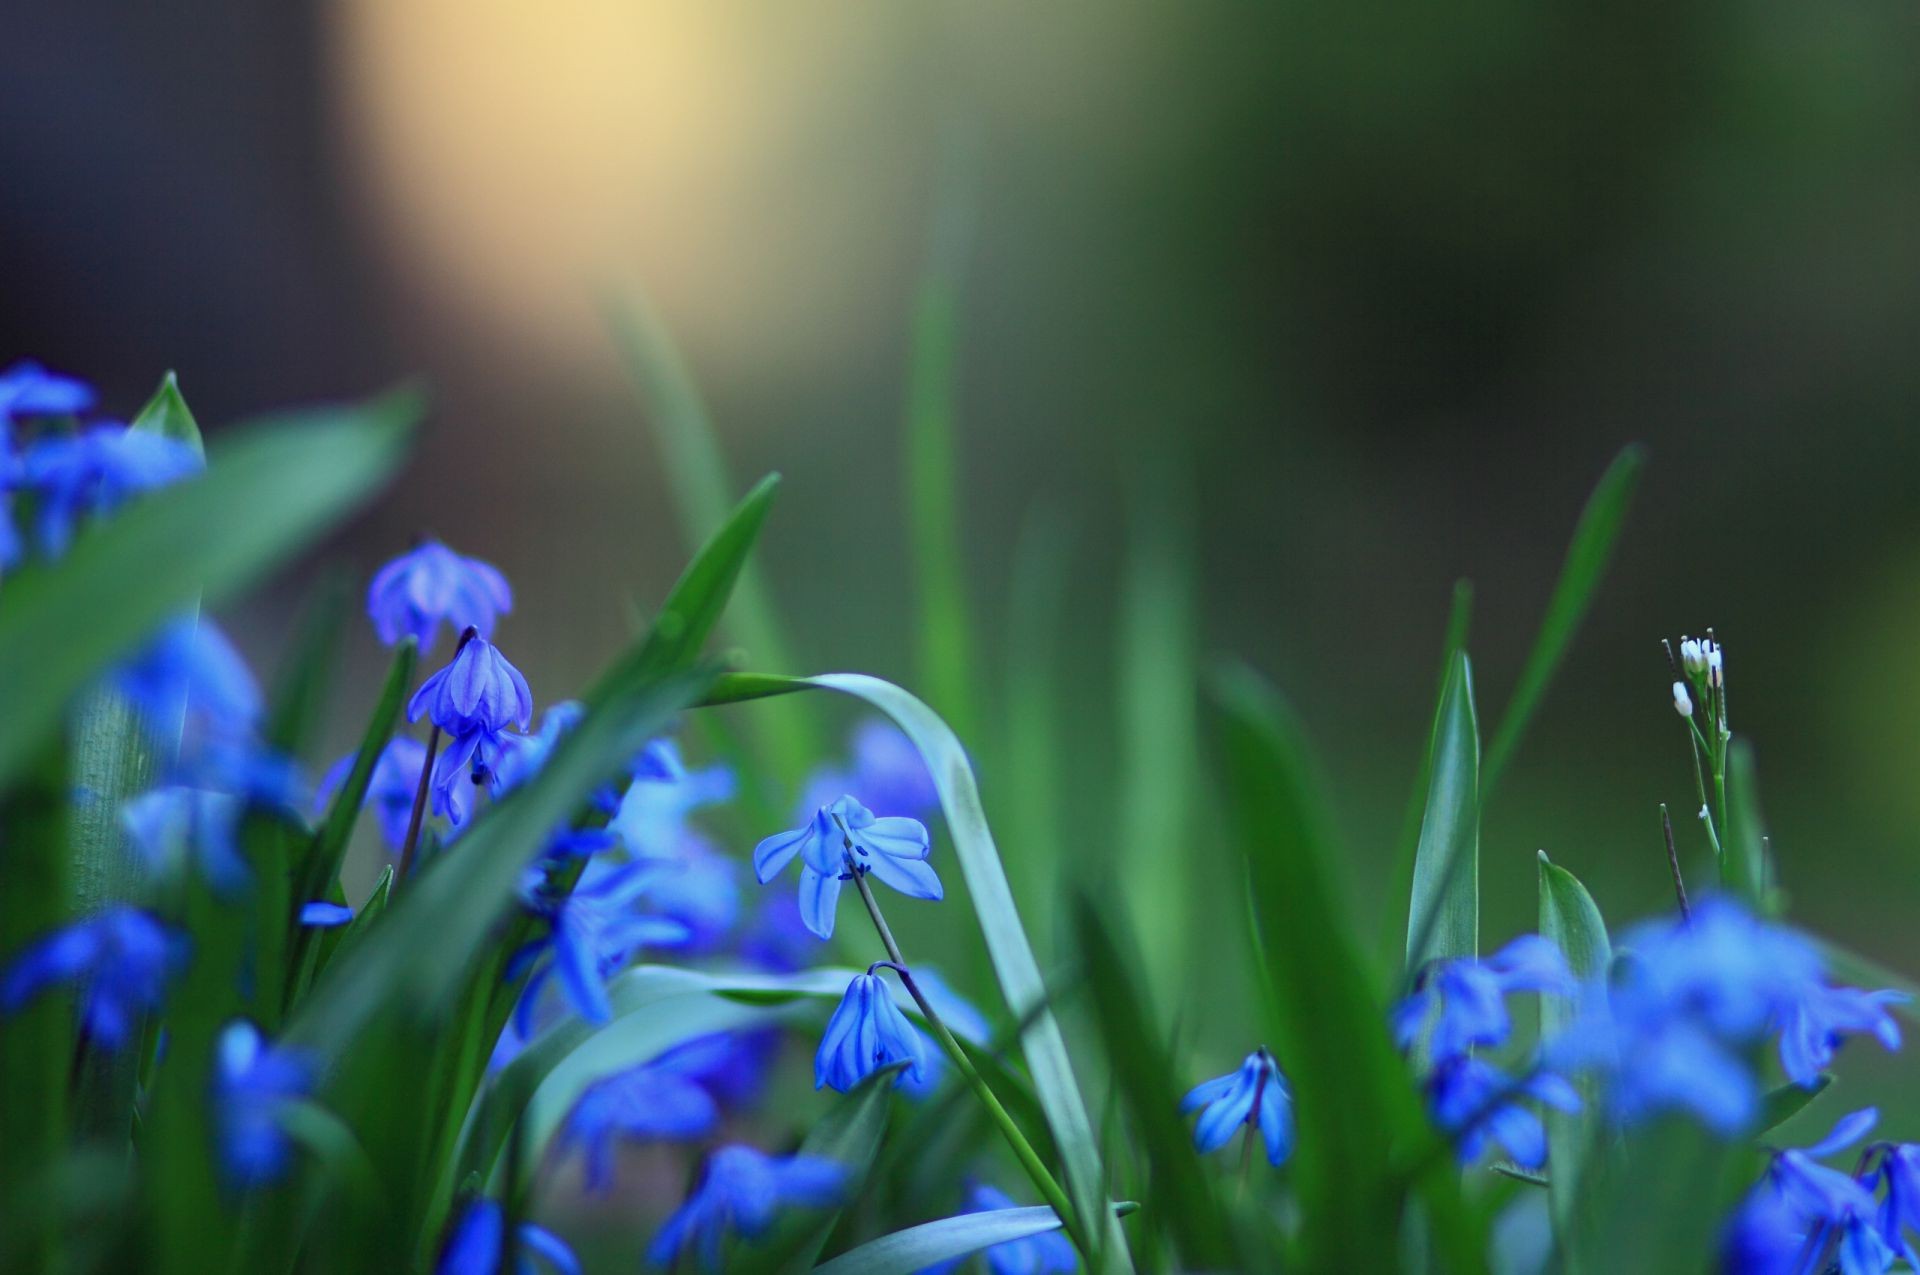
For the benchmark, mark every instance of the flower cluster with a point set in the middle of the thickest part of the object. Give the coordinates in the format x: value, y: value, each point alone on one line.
x: 1806, y: 1216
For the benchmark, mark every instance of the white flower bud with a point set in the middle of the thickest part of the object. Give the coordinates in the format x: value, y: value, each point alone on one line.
x: 1715, y: 672
x: 1682, y: 702
x: 1692, y: 658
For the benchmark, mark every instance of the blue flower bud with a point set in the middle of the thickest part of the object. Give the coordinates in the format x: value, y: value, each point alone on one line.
x: 866, y: 1033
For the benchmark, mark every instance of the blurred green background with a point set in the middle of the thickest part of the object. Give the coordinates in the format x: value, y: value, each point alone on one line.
x: 1333, y: 304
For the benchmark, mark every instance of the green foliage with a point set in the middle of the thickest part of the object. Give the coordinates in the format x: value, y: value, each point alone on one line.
x: 1444, y: 917
x: 930, y: 1243
x: 1569, y: 917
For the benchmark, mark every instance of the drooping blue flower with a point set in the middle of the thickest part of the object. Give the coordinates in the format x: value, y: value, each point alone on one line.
x: 254, y: 1083
x: 1477, y: 1102
x: 390, y: 789
x: 477, y: 1245
x: 742, y: 1191
x: 28, y: 389
x: 1800, y: 1207
x: 591, y: 932
x: 1256, y: 1094
x: 474, y: 700
x: 1899, y: 1170
x: 839, y: 841
x: 641, y: 1104
x: 430, y: 585
x: 189, y: 673
x: 1465, y: 1000
x: 120, y: 961
x: 96, y: 471
x: 322, y: 914
x: 1048, y: 1251
x: 867, y: 1032
x: 174, y: 825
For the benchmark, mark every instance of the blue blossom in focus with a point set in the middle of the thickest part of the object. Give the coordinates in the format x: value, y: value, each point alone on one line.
x: 477, y: 1245
x: 866, y: 1033
x: 839, y: 840
x: 94, y: 472
x: 474, y: 700
x: 28, y: 389
x: 119, y: 961
x: 741, y: 1192
x: 172, y: 826
x: 1477, y: 1102
x: 1801, y: 1208
x: 390, y: 789
x: 593, y: 931
x: 640, y: 1104
x: 1465, y: 1000
x: 1048, y: 1251
x: 1256, y: 1094
x: 253, y: 1084
x: 430, y: 585
x: 324, y: 915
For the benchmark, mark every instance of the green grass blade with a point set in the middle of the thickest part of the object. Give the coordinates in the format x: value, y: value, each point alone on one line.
x: 702, y: 491
x: 266, y: 495
x: 930, y: 1243
x: 1031, y: 724
x: 1443, y: 914
x: 1569, y: 918
x: 1746, y: 869
x: 1594, y: 537
x: 303, y: 684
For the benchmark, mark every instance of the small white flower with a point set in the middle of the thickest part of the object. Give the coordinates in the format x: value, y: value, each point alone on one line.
x: 1716, y: 674
x: 1692, y: 658
x: 1682, y: 702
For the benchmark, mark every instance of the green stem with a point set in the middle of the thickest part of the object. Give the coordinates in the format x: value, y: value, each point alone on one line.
x: 1023, y: 1151
x: 1695, y: 742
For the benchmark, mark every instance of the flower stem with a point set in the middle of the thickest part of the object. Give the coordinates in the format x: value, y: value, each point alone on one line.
x: 1673, y: 863
x: 1023, y: 1150
x: 412, y: 843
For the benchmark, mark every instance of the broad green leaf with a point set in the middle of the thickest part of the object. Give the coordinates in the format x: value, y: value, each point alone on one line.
x: 1353, y: 1097
x: 849, y: 1134
x: 168, y: 415
x: 303, y: 685
x: 702, y: 489
x: 1594, y: 537
x: 1784, y: 1103
x: 1178, y: 1197
x: 265, y: 495
x: 1569, y: 918
x: 930, y: 1243
x: 1745, y: 868
x: 1399, y: 895
x: 1443, y: 917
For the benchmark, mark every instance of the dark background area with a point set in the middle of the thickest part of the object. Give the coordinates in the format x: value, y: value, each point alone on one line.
x: 1391, y: 285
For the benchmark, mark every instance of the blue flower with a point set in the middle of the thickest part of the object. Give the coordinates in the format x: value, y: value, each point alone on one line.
x: 1816, y: 1023
x: 1047, y: 1251
x: 1465, y: 999
x: 866, y: 1033
x: 189, y: 672
x: 701, y: 891
x: 1256, y: 1094
x: 1476, y: 1102
x: 390, y: 789
x: 732, y: 1066
x: 741, y: 1191
x: 643, y: 1103
x: 652, y: 815
x: 840, y: 840
x: 253, y: 1085
x: 120, y: 960
x: 887, y: 769
x: 322, y: 914
x: 592, y: 932
x: 419, y: 590
x: 95, y: 472
x: 477, y: 1245
x: 27, y: 389
x: 171, y: 826
x: 474, y: 699
x: 1800, y: 1207
x: 1900, y: 1210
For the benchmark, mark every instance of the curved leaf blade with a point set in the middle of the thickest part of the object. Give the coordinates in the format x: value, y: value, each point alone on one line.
x: 1443, y: 915
x: 918, y: 1247
x: 1569, y: 917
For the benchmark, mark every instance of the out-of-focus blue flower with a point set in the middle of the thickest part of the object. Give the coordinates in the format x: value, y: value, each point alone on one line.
x: 529, y: 754
x: 740, y: 1192
x: 1048, y: 1251
x: 120, y: 962
x: 474, y: 699
x: 28, y: 389
x: 189, y: 672
x: 640, y: 1104
x: 732, y: 1066
x: 777, y: 938
x: 867, y: 1032
x: 1900, y: 1209
x: 592, y: 932
x: 1254, y: 1094
x: 253, y: 1085
x: 701, y: 891
x: 419, y: 590
x: 889, y: 772
x: 1465, y: 1000
x: 840, y: 840
x: 1476, y: 1102
x: 1815, y: 1024
x: 95, y: 471
x: 652, y: 815
x: 324, y: 915
x: 1800, y: 1207
x: 390, y: 789
x: 477, y: 1245
x: 173, y: 826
